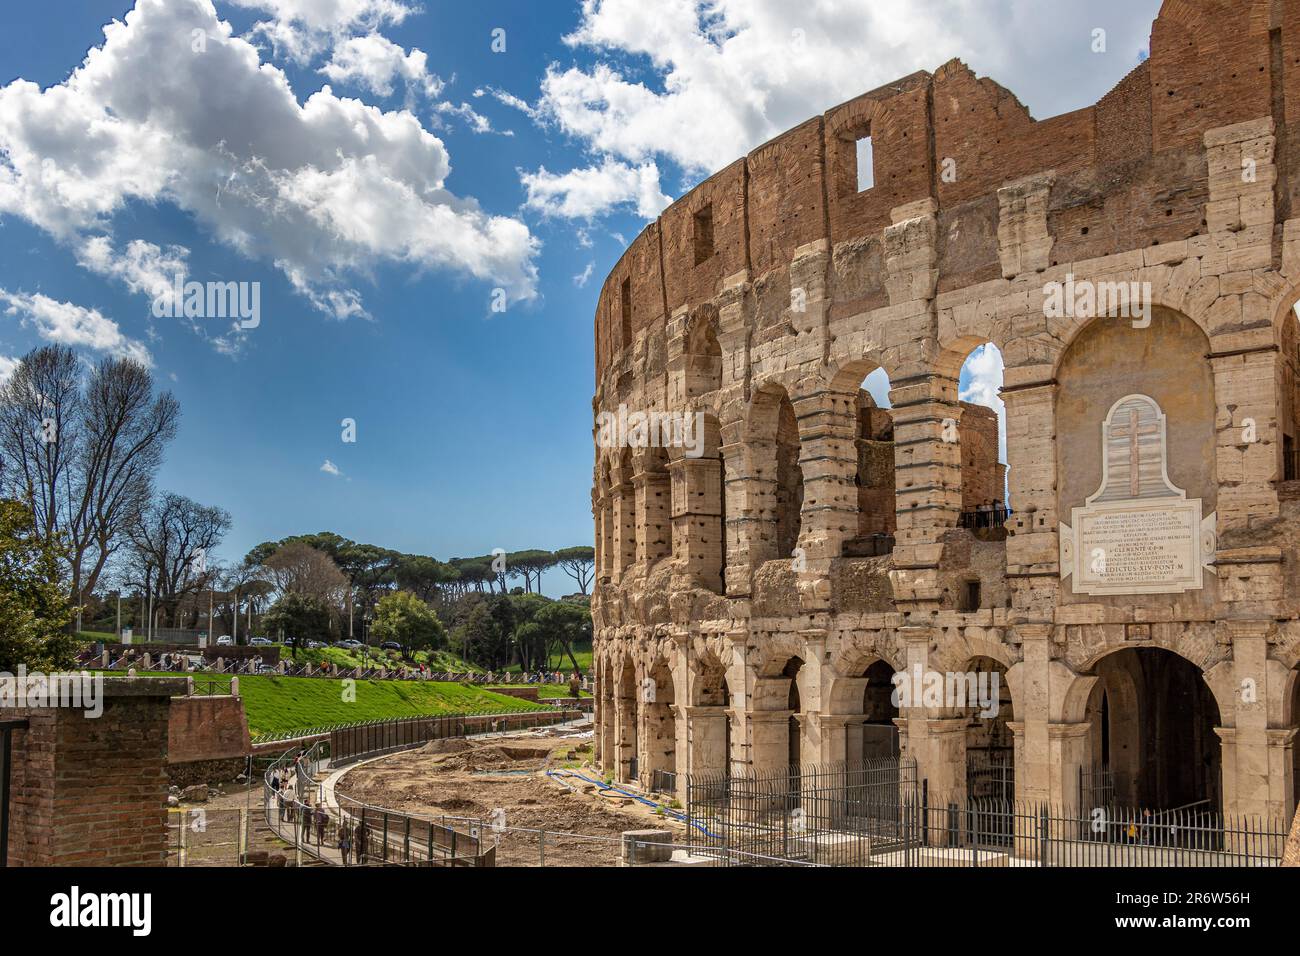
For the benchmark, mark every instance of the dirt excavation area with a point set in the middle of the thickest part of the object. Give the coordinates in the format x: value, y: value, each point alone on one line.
x: 472, y: 778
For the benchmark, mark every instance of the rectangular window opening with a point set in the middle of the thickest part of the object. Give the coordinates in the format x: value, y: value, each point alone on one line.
x: 702, y: 238
x: 866, y: 164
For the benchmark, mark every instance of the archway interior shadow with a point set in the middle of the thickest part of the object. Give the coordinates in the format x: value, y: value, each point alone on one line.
x: 1153, y: 719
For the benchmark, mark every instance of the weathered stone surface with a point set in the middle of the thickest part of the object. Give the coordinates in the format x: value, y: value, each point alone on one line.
x: 768, y: 582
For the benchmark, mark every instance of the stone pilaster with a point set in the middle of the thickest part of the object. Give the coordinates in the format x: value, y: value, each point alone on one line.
x: 1024, y: 241
x: 698, y: 535
x: 1033, y: 548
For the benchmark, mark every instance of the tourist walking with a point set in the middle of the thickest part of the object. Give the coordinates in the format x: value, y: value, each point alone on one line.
x: 322, y: 821
x: 345, y: 843
x: 363, y: 837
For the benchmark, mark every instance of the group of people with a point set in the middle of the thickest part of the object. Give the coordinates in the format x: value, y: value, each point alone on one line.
x: 314, y: 820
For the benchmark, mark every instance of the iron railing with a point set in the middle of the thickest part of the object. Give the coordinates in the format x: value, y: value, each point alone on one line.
x: 876, y: 814
x: 825, y: 814
x: 993, y: 517
x: 361, y: 741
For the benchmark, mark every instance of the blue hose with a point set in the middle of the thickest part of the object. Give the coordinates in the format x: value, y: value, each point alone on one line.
x: 676, y: 815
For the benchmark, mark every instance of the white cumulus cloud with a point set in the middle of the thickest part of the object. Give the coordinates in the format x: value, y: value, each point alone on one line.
x: 302, y: 29
x: 699, y: 83
x: 595, y: 190
x: 66, y: 323
x: 331, y: 469
x: 324, y: 189
x: 375, y: 63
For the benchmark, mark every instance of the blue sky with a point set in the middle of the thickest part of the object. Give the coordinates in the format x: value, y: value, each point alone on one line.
x: 380, y: 217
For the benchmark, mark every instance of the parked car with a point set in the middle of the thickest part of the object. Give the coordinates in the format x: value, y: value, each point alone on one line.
x: 267, y: 669
x: 351, y: 644
x: 260, y: 642
x: 391, y: 646
x: 315, y: 644
x: 225, y: 641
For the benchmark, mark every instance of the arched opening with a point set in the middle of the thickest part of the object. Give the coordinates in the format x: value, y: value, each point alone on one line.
x: 879, y: 732
x: 1153, y: 736
x: 1295, y: 745
x: 773, y: 448
x: 605, y: 502
x: 794, y: 731
x: 982, y: 436
x: 983, y: 696
x: 608, y: 720
x: 789, y: 480
x: 627, y: 723
x: 661, y: 728
x: 865, y: 701
x: 710, y: 725
x: 1289, y: 399
x: 874, y: 474
x: 703, y: 358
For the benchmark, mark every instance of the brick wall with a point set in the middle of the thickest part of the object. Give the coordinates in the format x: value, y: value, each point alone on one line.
x: 92, y: 791
x: 206, y: 728
x: 956, y: 138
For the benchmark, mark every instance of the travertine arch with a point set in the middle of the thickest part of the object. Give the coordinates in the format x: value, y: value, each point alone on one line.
x: 709, y: 681
x: 857, y: 653
x: 1164, y: 295
x: 1217, y: 676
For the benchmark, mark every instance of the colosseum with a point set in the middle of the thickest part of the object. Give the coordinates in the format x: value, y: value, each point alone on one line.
x: 1128, y: 570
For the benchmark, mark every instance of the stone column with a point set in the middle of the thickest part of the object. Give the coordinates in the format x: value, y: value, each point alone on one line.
x: 603, y: 509
x: 698, y: 537
x: 1247, y: 452
x: 1247, y: 775
x: 1033, y: 549
x: 769, y: 735
x: 936, y: 742
x: 1034, y: 765
x: 651, y: 491
x: 751, y: 509
x: 828, y: 460
x: 706, y: 729
x: 841, y: 737
x: 1070, y: 751
x: 624, y: 521
x: 927, y: 477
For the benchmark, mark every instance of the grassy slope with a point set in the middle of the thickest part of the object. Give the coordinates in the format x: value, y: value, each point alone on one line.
x: 281, y: 704
x: 560, y: 661
x: 547, y: 691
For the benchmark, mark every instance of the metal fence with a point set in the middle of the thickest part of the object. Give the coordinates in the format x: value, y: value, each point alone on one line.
x: 524, y: 847
x: 875, y: 814
x: 350, y: 833
x: 824, y: 814
x: 361, y: 741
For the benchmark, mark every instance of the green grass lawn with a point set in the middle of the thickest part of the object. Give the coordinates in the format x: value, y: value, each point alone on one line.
x: 561, y: 662
x: 547, y: 691
x: 282, y: 704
